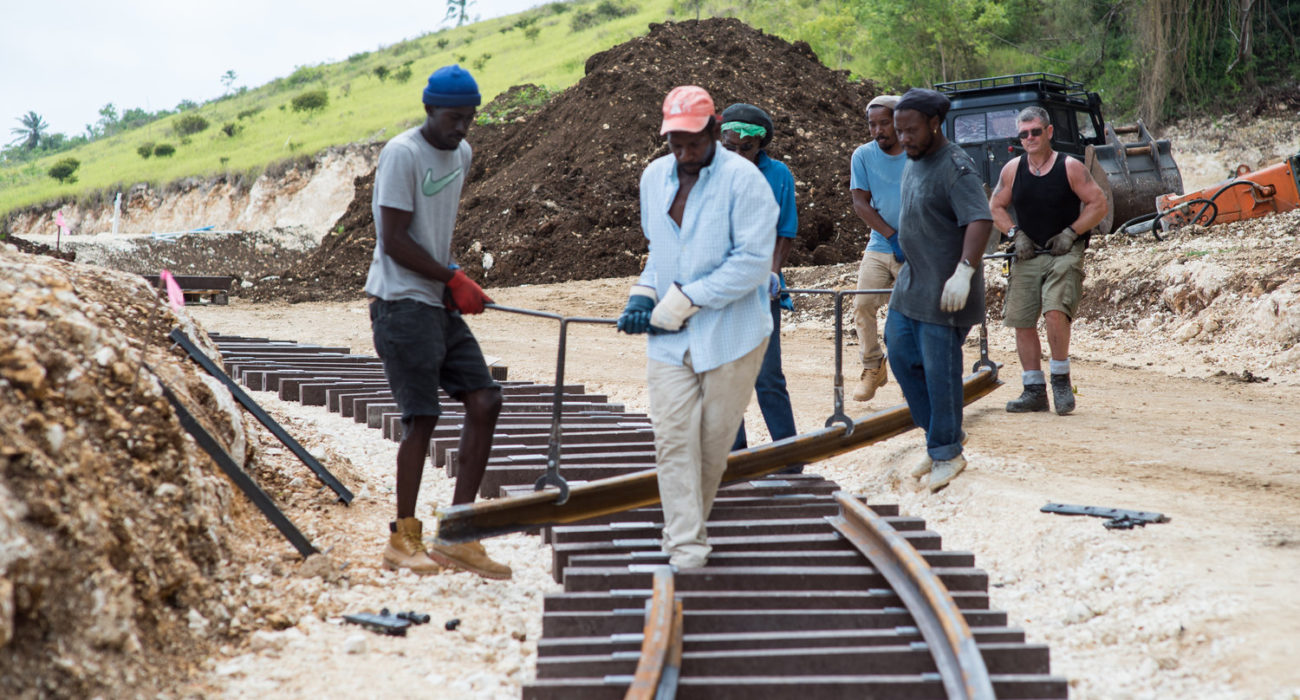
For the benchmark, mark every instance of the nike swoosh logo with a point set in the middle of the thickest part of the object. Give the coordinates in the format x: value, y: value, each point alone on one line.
x: 432, y: 186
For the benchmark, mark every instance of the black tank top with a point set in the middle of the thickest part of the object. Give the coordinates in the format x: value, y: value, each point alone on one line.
x: 1044, y: 205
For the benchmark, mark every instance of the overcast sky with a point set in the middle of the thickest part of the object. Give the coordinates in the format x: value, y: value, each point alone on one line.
x: 65, y: 59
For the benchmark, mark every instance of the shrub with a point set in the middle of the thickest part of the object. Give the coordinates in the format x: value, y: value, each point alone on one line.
x: 518, y: 101
x: 382, y: 72
x: 358, y: 57
x: 311, y: 101
x: 531, y: 33
x: 345, y: 89
x: 248, y: 113
x: 306, y: 74
x: 231, y: 128
x: 64, y: 169
x: 190, y: 124
x: 186, y: 105
x: 442, y: 42
x: 482, y: 61
x: 163, y: 150
x: 603, y: 12
x: 461, y: 58
x: 558, y: 8
x: 402, y: 74
x: 145, y: 149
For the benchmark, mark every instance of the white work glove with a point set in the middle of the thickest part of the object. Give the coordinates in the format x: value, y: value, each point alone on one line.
x: 957, y: 289
x: 773, y: 285
x: 673, y: 310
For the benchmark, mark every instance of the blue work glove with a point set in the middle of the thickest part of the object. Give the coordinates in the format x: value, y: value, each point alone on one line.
x: 636, y: 315
x: 786, y: 302
x: 896, y: 247
x: 773, y: 285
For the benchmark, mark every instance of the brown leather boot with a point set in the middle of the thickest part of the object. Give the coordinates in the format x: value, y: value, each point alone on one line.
x: 469, y: 556
x: 872, y: 378
x: 406, y: 550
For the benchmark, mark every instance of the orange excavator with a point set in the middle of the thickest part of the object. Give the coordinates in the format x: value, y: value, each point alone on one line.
x: 1248, y: 195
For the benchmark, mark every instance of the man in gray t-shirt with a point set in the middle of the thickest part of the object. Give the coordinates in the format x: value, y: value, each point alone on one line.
x: 417, y: 298
x: 944, y: 224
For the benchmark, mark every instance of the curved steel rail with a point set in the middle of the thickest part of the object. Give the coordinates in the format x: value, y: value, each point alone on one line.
x: 540, y: 509
x: 661, y: 645
x: 958, y: 658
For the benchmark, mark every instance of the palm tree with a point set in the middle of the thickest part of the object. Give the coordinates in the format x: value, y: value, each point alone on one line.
x: 32, y: 131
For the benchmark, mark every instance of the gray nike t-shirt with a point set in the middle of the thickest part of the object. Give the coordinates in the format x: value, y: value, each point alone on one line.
x: 414, y: 176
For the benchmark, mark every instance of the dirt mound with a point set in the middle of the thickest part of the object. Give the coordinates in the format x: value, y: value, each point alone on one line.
x: 554, y: 196
x: 34, y: 248
x: 116, y: 531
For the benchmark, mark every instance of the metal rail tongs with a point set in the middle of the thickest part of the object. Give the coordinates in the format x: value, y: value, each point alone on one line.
x: 552, y: 476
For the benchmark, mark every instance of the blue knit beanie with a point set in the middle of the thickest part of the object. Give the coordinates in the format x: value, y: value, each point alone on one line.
x: 452, y: 86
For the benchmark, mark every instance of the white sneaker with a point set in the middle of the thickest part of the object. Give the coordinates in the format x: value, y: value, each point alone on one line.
x: 926, y: 464
x: 944, y: 471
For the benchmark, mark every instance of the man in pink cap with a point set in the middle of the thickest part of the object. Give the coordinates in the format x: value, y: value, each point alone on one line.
x: 710, y: 219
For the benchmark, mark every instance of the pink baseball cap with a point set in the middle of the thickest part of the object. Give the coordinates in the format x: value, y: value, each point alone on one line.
x: 687, y: 108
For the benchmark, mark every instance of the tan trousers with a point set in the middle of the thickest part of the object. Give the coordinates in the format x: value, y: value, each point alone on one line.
x: 877, y: 271
x: 695, y: 417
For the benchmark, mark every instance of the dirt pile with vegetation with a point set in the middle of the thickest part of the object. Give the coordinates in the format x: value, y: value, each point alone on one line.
x: 118, y: 537
x: 553, y: 196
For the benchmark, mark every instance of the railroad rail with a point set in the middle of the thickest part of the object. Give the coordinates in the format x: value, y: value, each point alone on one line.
x: 809, y: 591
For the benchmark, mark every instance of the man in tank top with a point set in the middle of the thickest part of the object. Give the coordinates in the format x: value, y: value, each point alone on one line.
x: 1057, y: 203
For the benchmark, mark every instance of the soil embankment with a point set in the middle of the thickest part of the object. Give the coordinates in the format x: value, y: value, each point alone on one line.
x: 306, y: 193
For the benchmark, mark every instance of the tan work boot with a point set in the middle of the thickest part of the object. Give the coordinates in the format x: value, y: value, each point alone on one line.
x: 872, y: 379
x: 469, y: 556
x: 406, y: 550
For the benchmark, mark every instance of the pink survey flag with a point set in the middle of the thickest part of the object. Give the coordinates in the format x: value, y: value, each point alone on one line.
x: 58, y: 220
x: 174, y: 295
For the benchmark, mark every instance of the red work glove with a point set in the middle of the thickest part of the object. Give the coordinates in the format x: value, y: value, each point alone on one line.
x: 466, y: 294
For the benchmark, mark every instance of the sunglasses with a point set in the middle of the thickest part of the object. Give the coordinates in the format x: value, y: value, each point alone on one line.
x: 1035, y: 132
x: 744, y: 147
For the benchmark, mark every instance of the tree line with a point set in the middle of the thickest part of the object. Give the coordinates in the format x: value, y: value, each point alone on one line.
x: 1153, y: 59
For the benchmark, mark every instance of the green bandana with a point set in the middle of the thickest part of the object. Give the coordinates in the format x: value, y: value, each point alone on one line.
x: 745, y: 129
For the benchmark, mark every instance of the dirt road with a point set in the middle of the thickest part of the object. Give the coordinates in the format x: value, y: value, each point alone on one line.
x: 1203, y: 606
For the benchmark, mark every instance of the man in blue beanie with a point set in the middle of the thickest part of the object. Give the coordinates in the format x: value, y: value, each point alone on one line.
x: 417, y: 297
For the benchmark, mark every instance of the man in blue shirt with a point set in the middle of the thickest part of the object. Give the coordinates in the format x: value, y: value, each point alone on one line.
x: 710, y: 220
x: 875, y: 176
x: 747, y: 130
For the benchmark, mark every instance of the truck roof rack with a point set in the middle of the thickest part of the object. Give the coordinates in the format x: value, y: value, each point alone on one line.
x: 1047, y: 82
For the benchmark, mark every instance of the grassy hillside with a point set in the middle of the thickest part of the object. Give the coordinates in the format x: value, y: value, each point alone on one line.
x: 361, y: 106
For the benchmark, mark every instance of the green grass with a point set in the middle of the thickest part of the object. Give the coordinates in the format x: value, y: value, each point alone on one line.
x: 361, y: 107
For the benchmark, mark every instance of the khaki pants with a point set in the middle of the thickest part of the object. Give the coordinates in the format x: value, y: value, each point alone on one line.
x: 877, y: 271
x: 695, y: 418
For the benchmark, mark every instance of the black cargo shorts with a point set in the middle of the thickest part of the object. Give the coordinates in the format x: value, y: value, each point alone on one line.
x: 424, y: 347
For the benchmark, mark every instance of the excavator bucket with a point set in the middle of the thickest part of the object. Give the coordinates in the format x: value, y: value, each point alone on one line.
x: 1098, y: 173
x: 1138, y: 170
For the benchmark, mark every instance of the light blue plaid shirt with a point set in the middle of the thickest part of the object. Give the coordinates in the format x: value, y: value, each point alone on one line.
x: 721, y: 255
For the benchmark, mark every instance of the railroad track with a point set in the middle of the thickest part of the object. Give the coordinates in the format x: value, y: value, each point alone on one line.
x: 809, y: 593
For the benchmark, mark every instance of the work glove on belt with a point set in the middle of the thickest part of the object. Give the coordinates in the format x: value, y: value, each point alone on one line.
x: 957, y: 289
x: 1024, y: 246
x: 896, y: 246
x: 466, y: 295
x: 673, y: 310
x: 1061, y: 243
x: 773, y: 285
x: 636, y: 315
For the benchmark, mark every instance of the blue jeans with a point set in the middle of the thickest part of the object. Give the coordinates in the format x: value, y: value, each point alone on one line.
x: 773, y: 399
x: 927, y: 362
